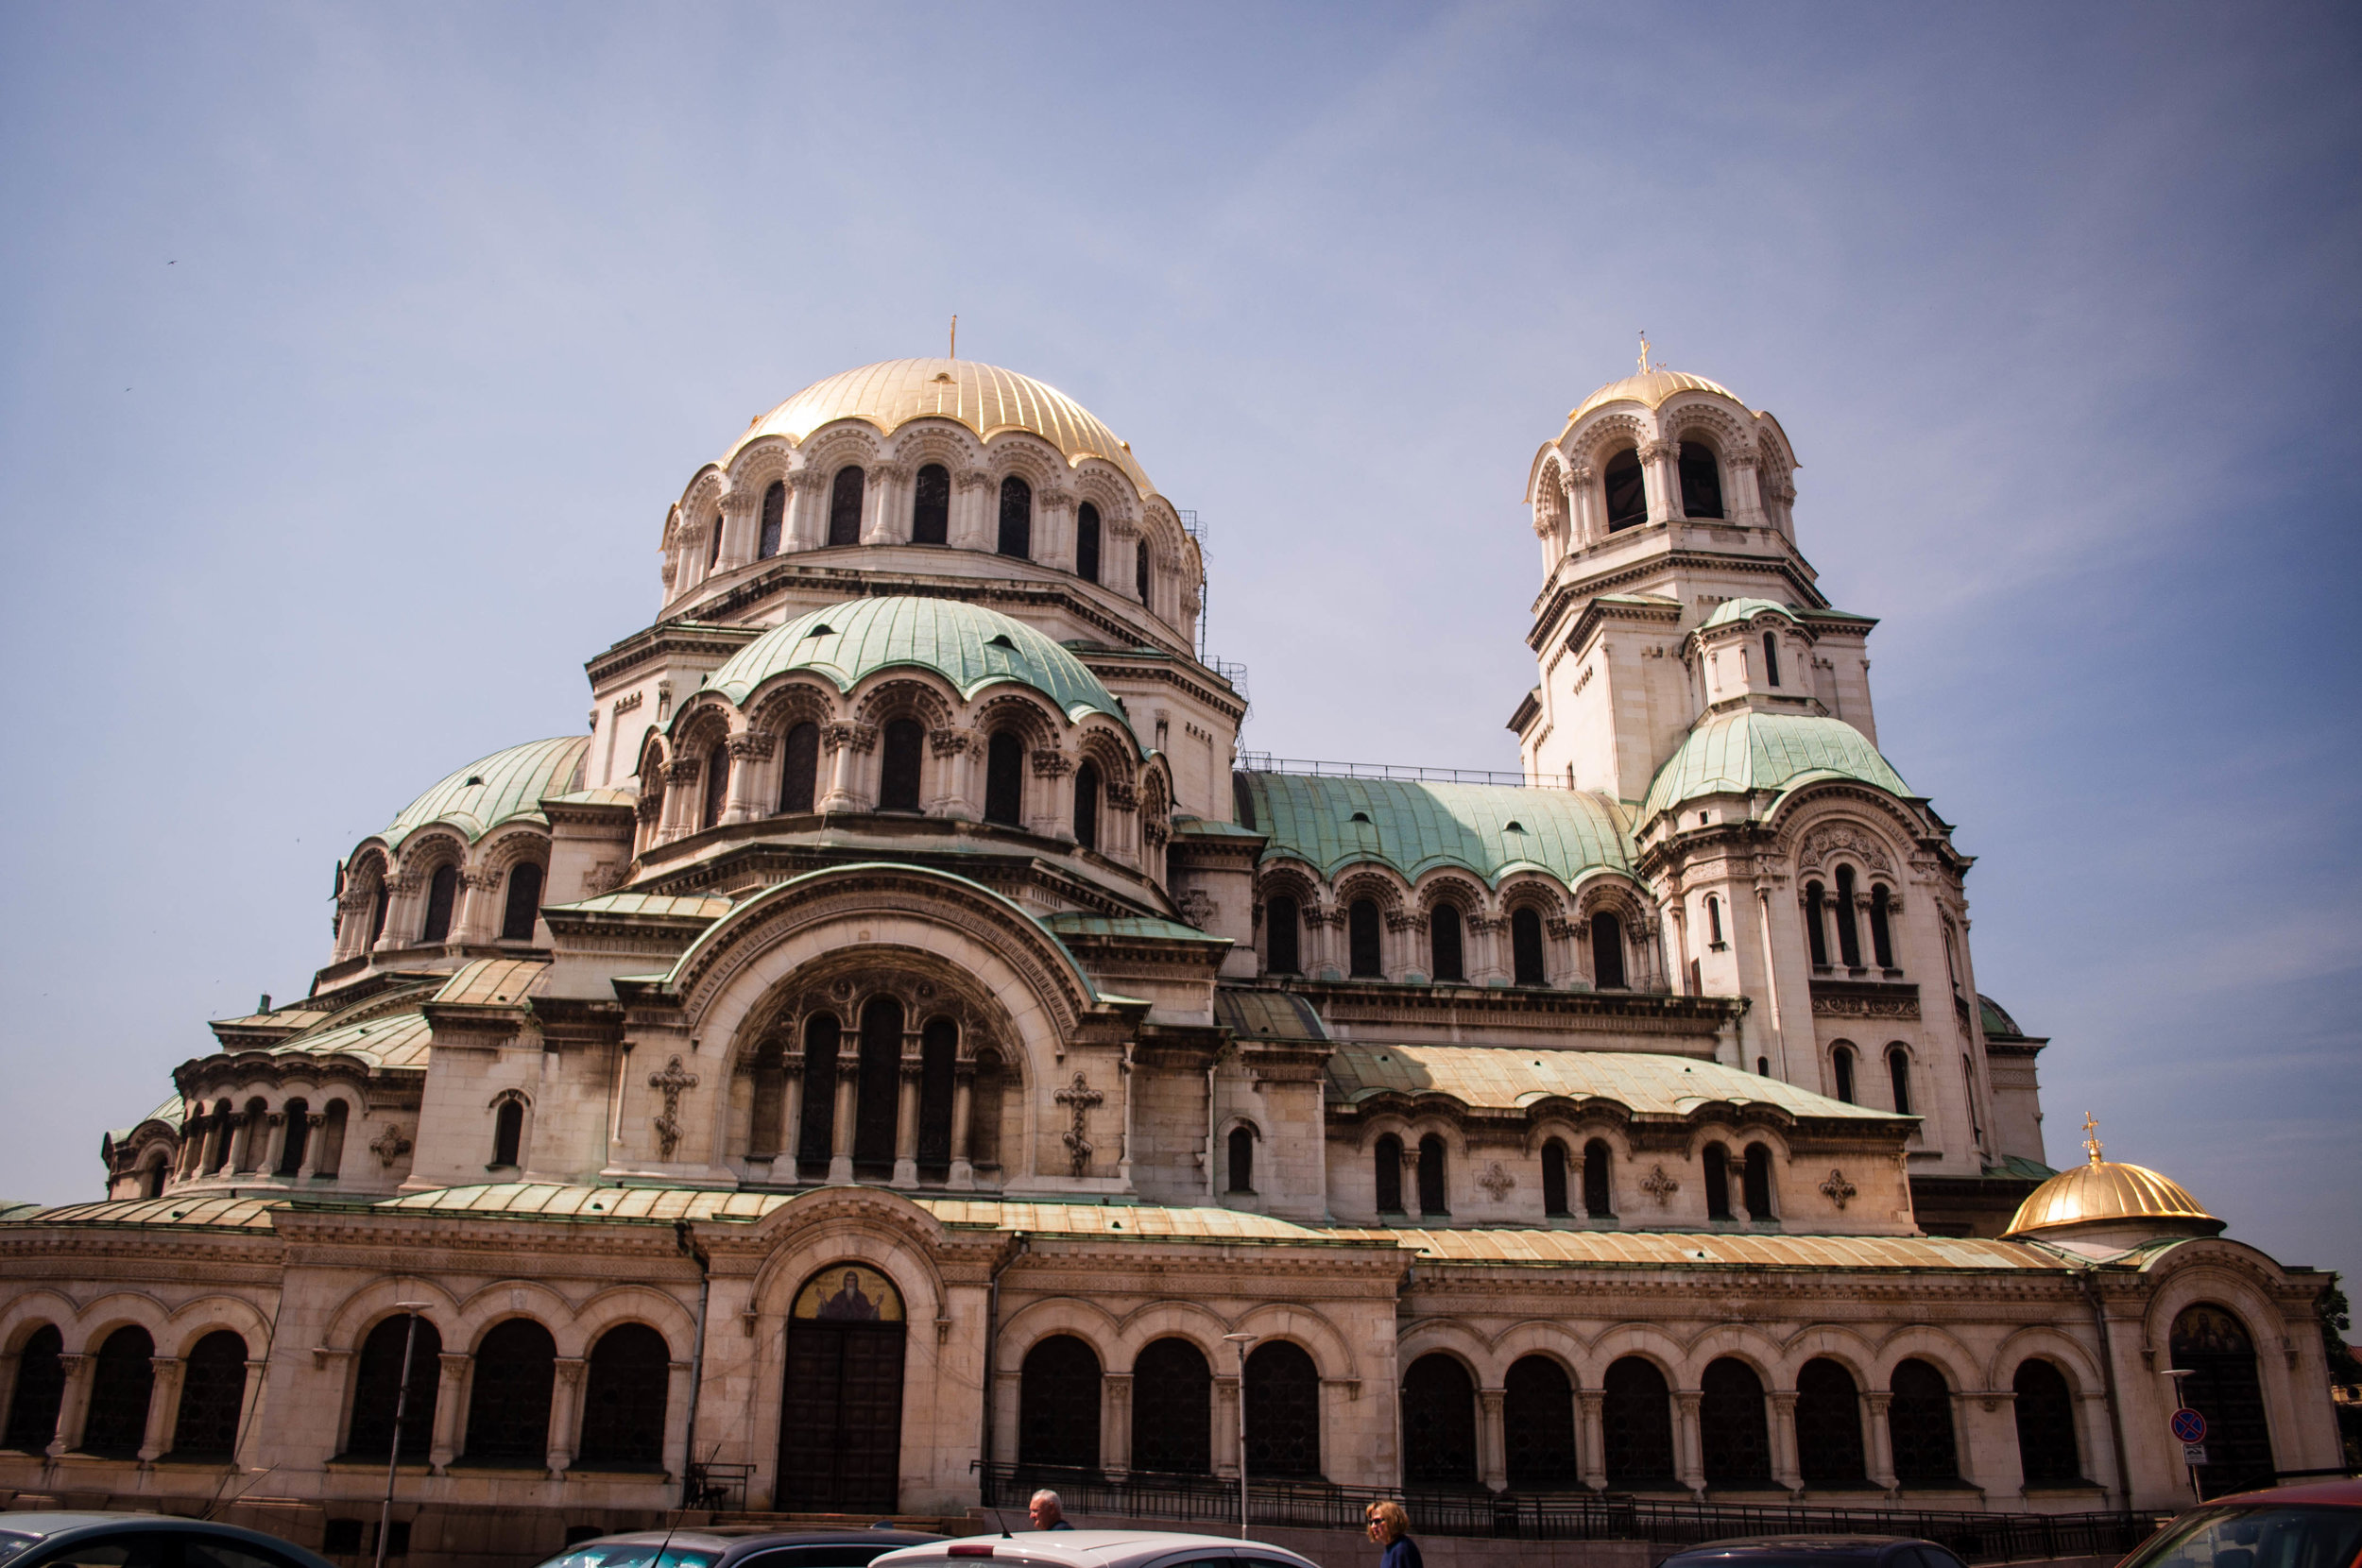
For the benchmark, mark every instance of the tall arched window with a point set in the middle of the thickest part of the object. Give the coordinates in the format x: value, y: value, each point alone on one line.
x: 717, y: 781
x: 253, y: 1136
x: 1283, y: 1412
x: 212, y: 1392
x: 1538, y: 1420
x: 1087, y: 806
x: 224, y: 1134
x: 1772, y: 658
x: 1361, y: 940
x: 1899, y: 1078
x: 1525, y: 945
x: 1701, y: 482
x: 508, y: 1132
x: 1627, y: 492
x: 1057, y: 1420
x: 938, y: 1068
x: 1432, y: 1184
x: 1598, y: 1197
x: 774, y: 521
x: 1443, y: 944
x: 1828, y: 1425
x: 1919, y: 1420
x: 930, y: 506
x: 1842, y: 1069
x: 508, y: 1408
x: 296, y: 1127
x: 877, y: 1099
x: 40, y: 1391
x: 121, y: 1386
x: 624, y: 1391
x: 1637, y: 1422
x: 152, y: 1178
x: 1555, y: 1179
x: 1017, y: 518
x: 2217, y: 1348
x: 1816, y: 924
x: 1848, y: 937
x: 817, y: 1137
x: 713, y: 543
x: 1173, y: 1409
x: 1087, y: 542
x: 1881, y: 937
x: 1714, y: 920
x: 844, y: 496
x: 799, y: 767
x: 1438, y: 1423
x: 2045, y: 1427
x: 1282, y: 937
x: 524, y: 901
x: 442, y: 894
x: 380, y: 901
x: 1716, y: 1161
x: 1140, y: 570
x: 1607, y: 952
x: 1756, y: 1182
x: 1004, y: 778
x: 1737, y: 1437
x: 377, y: 1385
x: 765, y: 1136
x: 330, y: 1159
x: 1388, y: 1163
x: 903, y: 747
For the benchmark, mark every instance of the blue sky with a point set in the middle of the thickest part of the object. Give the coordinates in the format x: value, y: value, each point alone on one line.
x: 350, y: 357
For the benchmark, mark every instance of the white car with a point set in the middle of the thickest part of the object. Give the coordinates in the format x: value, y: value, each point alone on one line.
x: 1094, y: 1549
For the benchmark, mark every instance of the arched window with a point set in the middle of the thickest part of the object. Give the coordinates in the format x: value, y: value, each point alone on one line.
x: 253, y: 1136
x: 1538, y: 1420
x: 1438, y: 1423
x: 1361, y: 940
x: 1772, y: 658
x: 296, y: 1128
x: 1087, y: 542
x: 816, y: 1137
x: 1057, y: 1420
x: 508, y: 1408
x: 774, y: 519
x: 1881, y: 937
x: 1714, y: 920
x: 624, y: 1391
x: 1282, y: 937
x: 1731, y: 1421
x: 1016, y: 520
x: 40, y: 1391
x: 1443, y: 944
x: 1087, y: 806
x: 2222, y: 1386
x: 1816, y: 924
x: 1828, y: 1425
x: 212, y: 1392
x: 1140, y: 570
x: 1283, y: 1412
x: 1702, y: 483
x: 764, y: 1135
x: 1848, y: 938
x: 930, y: 506
x: 713, y: 543
x: 1004, y: 778
x: 377, y: 1385
x: 1899, y: 1078
x: 1756, y: 1182
x: 1388, y: 1160
x: 508, y: 1132
x: 1555, y: 1179
x: 799, y: 768
x: 2045, y: 1427
x: 876, y: 1103
x: 524, y: 901
x: 1627, y: 492
x: 152, y: 1178
x: 717, y: 771
x: 380, y: 901
x: 120, y: 1387
x: 443, y: 892
x: 1919, y: 1422
x: 1242, y: 1160
x: 1637, y: 1422
x: 225, y: 1136
x: 904, y: 746
x: 938, y: 1068
x: 1432, y: 1186
x: 1599, y: 1200
x: 845, y: 506
x: 1842, y: 1069
x: 1525, y: 945
x: 1718, y: 1165
x: 1607, y: 952
x: 1173, y: 1409
x: 330, y: 1159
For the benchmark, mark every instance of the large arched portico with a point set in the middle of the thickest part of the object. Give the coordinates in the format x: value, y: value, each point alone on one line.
x: 840, y: 1407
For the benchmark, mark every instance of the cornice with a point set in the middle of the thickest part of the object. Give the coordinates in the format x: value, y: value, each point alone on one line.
x: 1552, y: 605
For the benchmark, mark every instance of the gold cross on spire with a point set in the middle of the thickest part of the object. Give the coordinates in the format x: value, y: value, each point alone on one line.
x: 2091, y: 1136
x: 1644, y: 350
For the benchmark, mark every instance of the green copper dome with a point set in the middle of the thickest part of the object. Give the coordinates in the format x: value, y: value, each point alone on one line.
x: 967, y: 644
x: 1742, y: 752
x: 1491, y: 830
x: 1743, y: 609
x: 496, y: 789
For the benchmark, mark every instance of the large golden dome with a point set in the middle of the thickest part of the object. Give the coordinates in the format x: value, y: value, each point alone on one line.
x: 2107, y: 1192
x: 1649, y: 388
x: 984, y: 398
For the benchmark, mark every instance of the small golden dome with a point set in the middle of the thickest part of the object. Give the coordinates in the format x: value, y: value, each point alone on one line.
x: 1649, y: 388
x: 2106, y: 1192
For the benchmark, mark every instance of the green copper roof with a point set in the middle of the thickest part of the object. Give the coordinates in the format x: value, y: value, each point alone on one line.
x: 1490, y: 829
x: 1743, y: 751
x: 1743, y: 609
x: 399, y: 1041
x: 490, y: 791
x: 968, y: 645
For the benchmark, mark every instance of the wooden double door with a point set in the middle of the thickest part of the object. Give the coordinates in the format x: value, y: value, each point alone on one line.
x: 841, y: 1422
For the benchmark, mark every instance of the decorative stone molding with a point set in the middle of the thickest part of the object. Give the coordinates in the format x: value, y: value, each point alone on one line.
x: 949, y: 742
x: 1196, y: 908
x: 1497, y: 1180
x: 1659, y: 1185
x: 754, y: 745
x: 1051, y: 764
x: 389, y: 1145
x: 841, y: 735
x: 1838, y: 1189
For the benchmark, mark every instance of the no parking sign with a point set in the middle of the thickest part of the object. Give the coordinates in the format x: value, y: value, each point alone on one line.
x: 2189, y: 1430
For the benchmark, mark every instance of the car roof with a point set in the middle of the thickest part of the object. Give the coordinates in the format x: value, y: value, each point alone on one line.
x: 2347, y: 1494
x: 730, y: 1538
x: 1087, y: 1548
x: 1740, y: 1545
x: 48, y: 1525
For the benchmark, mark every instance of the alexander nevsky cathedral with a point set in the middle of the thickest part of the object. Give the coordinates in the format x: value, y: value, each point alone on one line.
x: 905, y: 1042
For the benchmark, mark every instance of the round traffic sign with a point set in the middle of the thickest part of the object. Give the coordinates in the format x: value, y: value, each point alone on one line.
x: 2188, y: 1425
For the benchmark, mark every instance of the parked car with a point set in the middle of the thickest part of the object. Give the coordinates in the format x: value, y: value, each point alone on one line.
x: 1096, y: 1549
x: 140, y: 1541
x: 730, y: 1547
x: 2318, y: 1526
x: 1815, y: 1551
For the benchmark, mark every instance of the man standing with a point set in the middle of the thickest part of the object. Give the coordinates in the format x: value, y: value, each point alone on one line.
x: 1048, y: 1513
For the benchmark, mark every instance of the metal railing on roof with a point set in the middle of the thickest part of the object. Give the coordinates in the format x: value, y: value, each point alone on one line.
x: 1263, y: 761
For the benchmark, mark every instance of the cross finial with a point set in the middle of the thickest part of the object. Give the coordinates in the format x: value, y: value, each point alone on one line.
x: 955, y: 337
x: 2091, y: 1136
x: 1644, y: 350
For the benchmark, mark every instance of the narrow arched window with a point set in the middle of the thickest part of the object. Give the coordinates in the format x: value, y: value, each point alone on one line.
x: 1627, y: 492
x: 717, y: 782
x: 713, y: 549
x: 378, y: 1386
x: 1087, y: 542
x: 1241, y: 1160
x: 1637, y: 1427
x: 1439, y: 1423
x: 1881, y: 934
x: 1004, y: 778
x: 40, y: 1391
x: 1525, y: 946
x: 938, y: 1066
x: 442, y: 894
x: 1828, y: 1425
x: 1282, y: 937
x: 1714, y: 920
x: 508, y: 1132
x: 624, y: 1391
x: 1059, y: 1404
x: 1735, y: 1439
x: 1848, y: 936
x: 1432, y: 1186
x: 508, y: 1408
x: 1173, y: 1409
x: 379, y: 902
x: 1607, y: 952
x: 297, y: 1125
x: 1919, y: 1426
x: 1816, y: 924
x: 845, y: 506
x: 1702, y: 481
x: 930, y: 506
x: 1598, y: 1194
x: 1538, y: 1424
x: 905, y: 744
x: 330, y: 1159
x: 121, y: 1386
x: 774, y: 521
x: 1772, y: 658
x: 1756, y: 1182
x: 1140, y: 570
x: 815, y: 1133
x: 1841, y: 1070
x: 1388, y: 1160
x: 2045, y: 1427
x: 1899, y: 1075
x: 1443, y: 944
x: 212, y: 1392
x: 152, y: 1179
x: 1555, y: 1179
x: 877, y: 1106
x: 1282, y: 1395
x: 1361, y: 940
x: 1017, y: 518
x: 1718, y: 1166
x: 799, y: 768
x: 1087, y: 806
x: 524, y: 901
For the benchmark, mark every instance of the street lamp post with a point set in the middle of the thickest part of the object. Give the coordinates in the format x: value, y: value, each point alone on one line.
x: 2177, y: 1375
x: 402, y: 1406
x: 1241, y: 1340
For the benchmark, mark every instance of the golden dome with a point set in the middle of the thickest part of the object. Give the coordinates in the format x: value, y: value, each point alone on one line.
x: 984, y: 398
x: 1650, y: 388
x: 2104, y: 1191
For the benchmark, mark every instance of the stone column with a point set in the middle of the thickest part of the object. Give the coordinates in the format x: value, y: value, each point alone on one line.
x: 1880, y: 1443
x: 963, y: 1177
x: 565, y: 1413
x: 1661, y: 477
x: 249, y: 1438
x: 751, y: 793
x: 841, y: 1133
x: 1115, y: 1422
x: 1741, y: 497
x: 1492, y: 1439
x: 1688, y: 1448
x: 1226, y: 1426
x: 906, y: 1119
x: 1785, y: 1471
x: 950, y: 799
x: 970, y: 525
x: 1054, y: 529
x: 684, y: 797
x: 163, y: 1407
x: 1007, y: 1405
x: 477, y: 919
x: 790, y: 1115
x: 450, y: 1390
x: 846, y: 745
x: 807, y: 502
x: 1053, y: 816
x: 73, y: 1402
x: 315, y: 1123
x: 1593, y: 1449
x: 402, y: 912
x: 1583, y: 507
x: 274, y: 1143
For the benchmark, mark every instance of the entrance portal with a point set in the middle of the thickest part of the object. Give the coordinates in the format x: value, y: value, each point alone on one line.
x: 841, y: 1422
